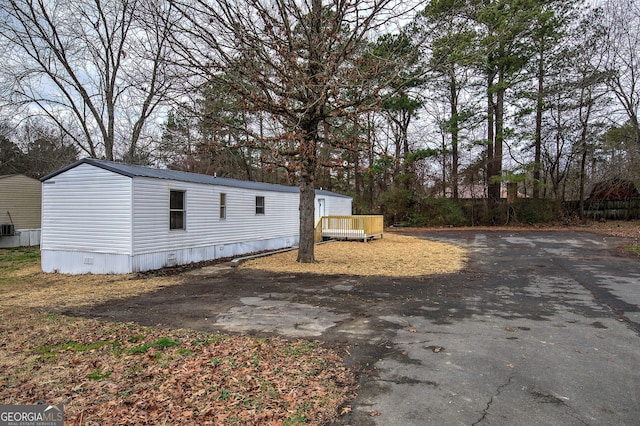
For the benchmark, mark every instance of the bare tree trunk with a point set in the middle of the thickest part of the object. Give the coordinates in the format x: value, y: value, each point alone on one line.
x: 584, y: 122
x: 371, y: 159
x: 490, y: 130
x: 495, y: 186
x: 308, y: 144
x: 537, y: 166
x: 453, y: 93
x: 443, y: 147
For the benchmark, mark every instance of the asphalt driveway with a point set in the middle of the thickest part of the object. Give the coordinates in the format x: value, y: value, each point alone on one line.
x: 540, y: 328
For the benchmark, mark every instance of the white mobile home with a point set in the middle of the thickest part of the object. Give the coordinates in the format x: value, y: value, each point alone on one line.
x: 103, y: 217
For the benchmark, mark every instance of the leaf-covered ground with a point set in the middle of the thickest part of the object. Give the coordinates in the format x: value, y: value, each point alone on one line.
x: 127, y: 374
x: 114, y: 373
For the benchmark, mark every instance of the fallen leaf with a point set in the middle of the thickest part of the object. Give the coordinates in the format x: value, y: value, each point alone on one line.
x: 412, y: 330
x: 375, y: 413
x: 206, y: 379
x: 345, y: 410
x: 511, y: 366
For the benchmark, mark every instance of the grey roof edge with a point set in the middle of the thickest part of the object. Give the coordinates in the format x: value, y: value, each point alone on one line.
x: 76, y: 164
x: 334, y: 194
x: 132, y: 171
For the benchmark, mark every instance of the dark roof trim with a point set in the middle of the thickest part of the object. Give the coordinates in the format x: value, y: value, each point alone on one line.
x: 132, y: 171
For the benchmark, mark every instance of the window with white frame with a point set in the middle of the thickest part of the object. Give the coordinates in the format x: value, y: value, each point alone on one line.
x: 177, y: 212
x: 259, y: 205
x: 223, y: 206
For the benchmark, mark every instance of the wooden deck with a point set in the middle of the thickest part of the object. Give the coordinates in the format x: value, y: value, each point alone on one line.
x: 357, y: 227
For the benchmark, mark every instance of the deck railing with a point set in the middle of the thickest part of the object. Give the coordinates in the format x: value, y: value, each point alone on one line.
x: 357, y: 227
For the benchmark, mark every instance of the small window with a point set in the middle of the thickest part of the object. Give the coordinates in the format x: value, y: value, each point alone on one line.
x: 259, y: 205
x: 176, y: 210
x: 223, y: 206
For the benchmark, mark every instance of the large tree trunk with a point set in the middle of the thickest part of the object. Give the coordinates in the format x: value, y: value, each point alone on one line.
x: 310, y: 135
x: 307, y: 197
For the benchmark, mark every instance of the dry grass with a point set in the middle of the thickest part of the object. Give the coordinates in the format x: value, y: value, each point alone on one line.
x: 394, y: 255
x: 29, y: 287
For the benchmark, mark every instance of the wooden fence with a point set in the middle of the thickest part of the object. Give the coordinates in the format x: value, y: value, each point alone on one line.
x: 360, y: 227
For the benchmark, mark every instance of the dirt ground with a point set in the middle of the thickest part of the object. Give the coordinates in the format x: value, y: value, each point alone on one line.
x: 32, y: 288
x: 619, y: 228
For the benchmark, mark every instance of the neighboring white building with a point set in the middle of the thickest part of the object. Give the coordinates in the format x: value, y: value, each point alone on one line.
x: 103, y: 217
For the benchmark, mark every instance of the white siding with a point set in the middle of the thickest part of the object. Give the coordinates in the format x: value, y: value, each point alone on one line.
x: 204, y: 228
x: 207, y: 236
x: 156, y: 260
x: 334, y: 205
x: 87, y: 209
x: 97, y: 221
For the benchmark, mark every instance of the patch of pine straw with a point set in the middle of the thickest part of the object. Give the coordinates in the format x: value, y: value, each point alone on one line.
x: 393, y: 255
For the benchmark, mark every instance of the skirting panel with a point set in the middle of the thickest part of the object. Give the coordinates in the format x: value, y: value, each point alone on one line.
x: 157, y: 260
x: 23, y: 238
x: 76, y: 262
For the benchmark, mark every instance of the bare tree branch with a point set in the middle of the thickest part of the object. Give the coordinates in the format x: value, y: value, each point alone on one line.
x: 93, y: 66
x: 301, y: 62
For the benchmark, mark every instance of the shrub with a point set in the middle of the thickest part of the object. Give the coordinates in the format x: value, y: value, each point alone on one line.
x: 437, y: 212
x: 396, y: 204
x: 536, y: 211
